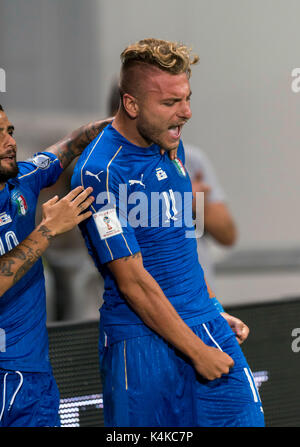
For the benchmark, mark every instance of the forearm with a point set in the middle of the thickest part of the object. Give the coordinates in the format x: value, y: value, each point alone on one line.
x: 149, y: 302
x: 73, y: 144
x: 16, y: 263
x: 219, y: 223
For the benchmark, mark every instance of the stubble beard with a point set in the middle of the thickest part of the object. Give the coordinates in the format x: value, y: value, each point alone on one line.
x: 7, y: 174
x: 152, y: 136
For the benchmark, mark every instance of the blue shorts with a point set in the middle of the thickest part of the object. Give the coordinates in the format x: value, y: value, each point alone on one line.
x: 148, y: 383
x: 28, y: 399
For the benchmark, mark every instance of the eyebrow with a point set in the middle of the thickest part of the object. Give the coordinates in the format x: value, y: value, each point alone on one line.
x: 174, y: 98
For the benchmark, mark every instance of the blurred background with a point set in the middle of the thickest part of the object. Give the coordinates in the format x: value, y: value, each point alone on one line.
x: 61, y: 59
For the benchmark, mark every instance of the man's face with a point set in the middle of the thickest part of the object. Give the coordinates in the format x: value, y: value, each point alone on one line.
x: 8, y: 149
x: 163, y: 108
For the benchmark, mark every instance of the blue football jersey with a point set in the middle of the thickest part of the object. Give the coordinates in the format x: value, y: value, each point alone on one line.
x: 23, y: 306
x: 142, y: 203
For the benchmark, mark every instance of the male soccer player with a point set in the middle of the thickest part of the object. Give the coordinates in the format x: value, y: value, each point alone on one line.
x: 28, y: 392
x: 167, y: 356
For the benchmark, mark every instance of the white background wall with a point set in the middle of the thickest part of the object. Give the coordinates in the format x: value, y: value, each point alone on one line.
x: 60, y: 57
x: 245, y: 115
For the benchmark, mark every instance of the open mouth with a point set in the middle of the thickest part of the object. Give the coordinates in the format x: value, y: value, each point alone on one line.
x: 9, y: 157
x: 175, y: 131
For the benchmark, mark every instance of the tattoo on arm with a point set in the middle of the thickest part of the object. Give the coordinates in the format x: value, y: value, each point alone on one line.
x: 18, y: 261
x: 73, y: 145
x: 45, y: 232
x: 27, y: 265
x: 5, y: 267
x: 134, y: 256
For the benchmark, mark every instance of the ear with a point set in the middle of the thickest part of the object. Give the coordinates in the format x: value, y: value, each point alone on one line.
x: 130, y: 105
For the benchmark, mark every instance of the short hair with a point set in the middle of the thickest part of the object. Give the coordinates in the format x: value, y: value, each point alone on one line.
x: 172, y: 57
x: 1, y: 108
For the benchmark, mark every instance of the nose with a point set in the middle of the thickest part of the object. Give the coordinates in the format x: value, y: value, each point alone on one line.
x: 9, y: 140
x: 185, y: 111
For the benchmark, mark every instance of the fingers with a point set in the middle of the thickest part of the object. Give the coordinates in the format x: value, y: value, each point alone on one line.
x: 81, y: 197
x: 242, y: 333
x: 75, y: 192
x: 83, y: 216
x: 85, y: 204
x: 172, y: 153
x: 52, y: 201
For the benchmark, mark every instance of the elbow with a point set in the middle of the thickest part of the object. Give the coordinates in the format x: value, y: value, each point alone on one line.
x: 226, y: 235
x: 230, y: 238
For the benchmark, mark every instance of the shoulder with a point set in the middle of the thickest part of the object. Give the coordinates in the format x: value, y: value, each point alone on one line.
x: 100, y: 162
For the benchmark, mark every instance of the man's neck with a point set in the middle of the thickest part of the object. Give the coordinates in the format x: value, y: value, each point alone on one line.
x: 127, y: 128
x: 2, y: 186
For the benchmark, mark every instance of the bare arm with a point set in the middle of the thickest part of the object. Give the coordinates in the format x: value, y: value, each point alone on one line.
x: 59, y: 216
x: 219, y: 223
x: 74, y: 143
x: 147, y: 299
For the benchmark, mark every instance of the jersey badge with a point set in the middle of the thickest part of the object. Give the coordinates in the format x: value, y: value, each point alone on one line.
x: 4, y: 219
x: 21, y: 203
x: 161, y: 174
x: 179, y: 166
x: 107, y: 223
x: 41, y: 161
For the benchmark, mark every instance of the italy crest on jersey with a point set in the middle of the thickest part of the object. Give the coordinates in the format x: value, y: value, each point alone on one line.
x: 179, y: 166
x: 21, y: 203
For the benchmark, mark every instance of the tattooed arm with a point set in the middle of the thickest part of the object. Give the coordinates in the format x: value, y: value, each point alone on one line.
x: 59, y: 216
x: 73, y: 144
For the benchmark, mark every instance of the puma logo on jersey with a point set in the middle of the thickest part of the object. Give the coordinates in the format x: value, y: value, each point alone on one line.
x: 94, y: 175
x: 137, y: 182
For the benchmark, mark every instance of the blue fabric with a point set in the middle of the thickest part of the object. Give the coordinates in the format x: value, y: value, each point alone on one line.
x: 119, y: 170
x: 36, y: 402
x: 23, y: 306
x: 217, y: 305
x: 148, y: 383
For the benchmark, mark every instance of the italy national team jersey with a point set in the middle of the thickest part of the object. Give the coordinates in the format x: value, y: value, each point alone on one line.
x: 24, y: 342
x: 142, y: 203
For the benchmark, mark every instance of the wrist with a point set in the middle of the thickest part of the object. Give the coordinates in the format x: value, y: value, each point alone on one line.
x: 217, y: 305
x: 45, y: 230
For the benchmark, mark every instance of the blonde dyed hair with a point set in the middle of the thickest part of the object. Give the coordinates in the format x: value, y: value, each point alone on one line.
x: 172, y: 57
